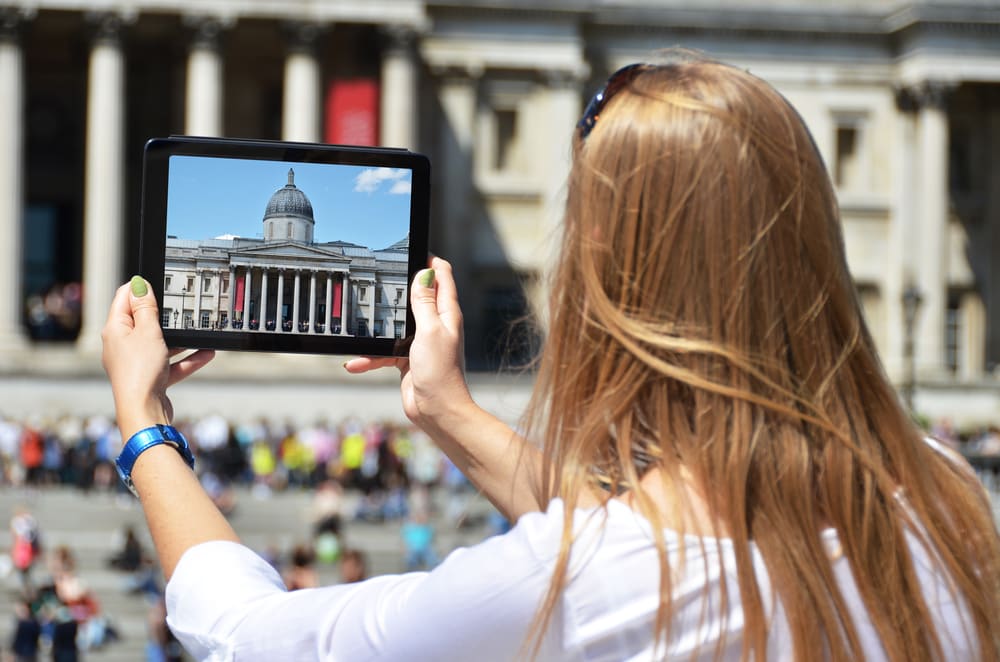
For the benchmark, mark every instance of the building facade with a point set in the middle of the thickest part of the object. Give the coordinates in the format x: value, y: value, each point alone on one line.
x: 903, y: 99
x: 285, y: 282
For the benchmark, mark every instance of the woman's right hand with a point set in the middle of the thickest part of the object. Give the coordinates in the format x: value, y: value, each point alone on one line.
x: 433, y: 376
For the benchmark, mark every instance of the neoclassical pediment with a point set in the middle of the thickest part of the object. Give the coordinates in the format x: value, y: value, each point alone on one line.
x: 289, y: 249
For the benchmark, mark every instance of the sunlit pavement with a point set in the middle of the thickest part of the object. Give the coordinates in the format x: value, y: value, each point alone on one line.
x: 91, y: 524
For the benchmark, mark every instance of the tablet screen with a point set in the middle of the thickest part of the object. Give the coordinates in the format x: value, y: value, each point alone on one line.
x: 297, y: 250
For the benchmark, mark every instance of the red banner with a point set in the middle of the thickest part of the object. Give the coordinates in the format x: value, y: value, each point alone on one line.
x: 240, y: 287
x: 337, y: 287
x: 352, y: 115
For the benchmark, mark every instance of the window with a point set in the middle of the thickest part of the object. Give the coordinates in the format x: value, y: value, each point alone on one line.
x: 399, y: 295
x: 166, y: 283
x: 505, y: 138
x: 188, y: 319
x: 288, y: 230
x: 362, y: 293
x: 206, y: 284
x: 190, y: 284
x: 205, y: 319
x: 952, y: 333
x: 847, y: 155
x: 362, y: 328
x: 225, y: 286
x: 398, y: 329
x: 378, y: 294
x: 379, y: 328
x: 850, y: 166
x: 223, y: 319
x: 165, y: 317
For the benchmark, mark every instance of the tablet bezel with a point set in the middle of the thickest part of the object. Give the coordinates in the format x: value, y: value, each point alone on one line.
x: 153, y: 236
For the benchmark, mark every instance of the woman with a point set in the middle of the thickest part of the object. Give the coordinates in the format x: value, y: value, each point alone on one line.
x: 724, y: 471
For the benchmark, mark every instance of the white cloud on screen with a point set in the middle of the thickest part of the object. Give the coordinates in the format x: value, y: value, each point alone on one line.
x: 400, y: 188
x: 370, y: 180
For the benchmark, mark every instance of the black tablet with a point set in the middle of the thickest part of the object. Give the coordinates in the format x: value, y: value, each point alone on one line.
x: 283, y: 247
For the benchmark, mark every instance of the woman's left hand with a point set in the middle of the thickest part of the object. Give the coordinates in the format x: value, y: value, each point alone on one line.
x: 137, y: 360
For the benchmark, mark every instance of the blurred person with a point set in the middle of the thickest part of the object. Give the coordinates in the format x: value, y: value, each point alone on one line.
x: 262, y: 464
x: 353, y: 566
x: 161, y: 645
x: 32, y: 452
x: 10, y: 440
x: 26, y: 546
x: 944, y: 431
x: 418, y: 542
x: 301, y: 571
x: 27, y: 632
x: 989, y: 441
x: 129, y: 558
x: 93, y: 627
x: 722, y: 469
x: 325, y: 515
x: 63, y: 635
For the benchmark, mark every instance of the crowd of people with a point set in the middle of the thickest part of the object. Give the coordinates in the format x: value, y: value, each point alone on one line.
x: 381, y: 459
x: 266, y: 454
x: 372, y: 472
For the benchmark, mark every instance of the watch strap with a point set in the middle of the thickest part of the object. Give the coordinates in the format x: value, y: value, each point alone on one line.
x: 145, y: 439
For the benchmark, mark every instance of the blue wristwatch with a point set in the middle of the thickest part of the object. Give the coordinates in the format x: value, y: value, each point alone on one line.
x: 144, y: 440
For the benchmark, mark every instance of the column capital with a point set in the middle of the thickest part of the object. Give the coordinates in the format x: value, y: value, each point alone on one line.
x: 106, y: 26
x: 206, y: 30
x: 303, y: 35
x: 563, y: 79
x: 12, y: 22
x: 468, y: 73
x: 928, y: 94
x: 398, y: 37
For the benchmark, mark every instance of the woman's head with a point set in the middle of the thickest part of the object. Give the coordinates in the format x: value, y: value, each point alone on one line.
x: 702, y: 261
x: 703, y: 320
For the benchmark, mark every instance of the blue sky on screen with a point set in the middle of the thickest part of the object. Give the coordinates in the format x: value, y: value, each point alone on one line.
x: 211, y: 197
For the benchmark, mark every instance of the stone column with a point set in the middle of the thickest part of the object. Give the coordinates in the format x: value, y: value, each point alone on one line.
x: 203, y: 98
x: 972, y: 338
x: 903, y: 235
x: 232, y: 296
x: 933, y: 205
x: 312, y: 302
x: 103, y: 176
x: 371, y: 311
x: 458, y: 91
x: 399, y: 109
x: 247, y: 282
x: 328, y: 298
x: 300, y: 110
x: 281, y: 301
x: 263, y: 300
x: 295, y: 303
x: 218, y: 296
x: 196, y: 319
x: 345, y: 291
x: 12, y: 166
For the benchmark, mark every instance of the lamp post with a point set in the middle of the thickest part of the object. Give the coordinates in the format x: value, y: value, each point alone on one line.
x: 183, y: 302
x: 395, y: 310
x: 176, y: 314
x: 912, y: 298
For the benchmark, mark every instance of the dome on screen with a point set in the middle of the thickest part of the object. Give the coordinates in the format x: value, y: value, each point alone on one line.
x: 289, y: 214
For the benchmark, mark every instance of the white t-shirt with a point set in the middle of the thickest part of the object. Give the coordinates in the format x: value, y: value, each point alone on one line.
x: 225, y: 603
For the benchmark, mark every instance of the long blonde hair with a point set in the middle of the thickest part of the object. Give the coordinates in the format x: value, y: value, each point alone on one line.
x: 702, y: 317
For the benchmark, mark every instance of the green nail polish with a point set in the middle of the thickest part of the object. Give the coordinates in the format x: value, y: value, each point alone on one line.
x: 426, y: 278
x: 138, y: 286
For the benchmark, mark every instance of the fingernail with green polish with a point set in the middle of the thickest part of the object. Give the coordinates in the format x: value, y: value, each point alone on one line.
x: 138, y: 286
x: 426, y: 278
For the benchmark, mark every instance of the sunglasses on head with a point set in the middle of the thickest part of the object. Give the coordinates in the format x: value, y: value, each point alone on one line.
x: 614, y: 84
